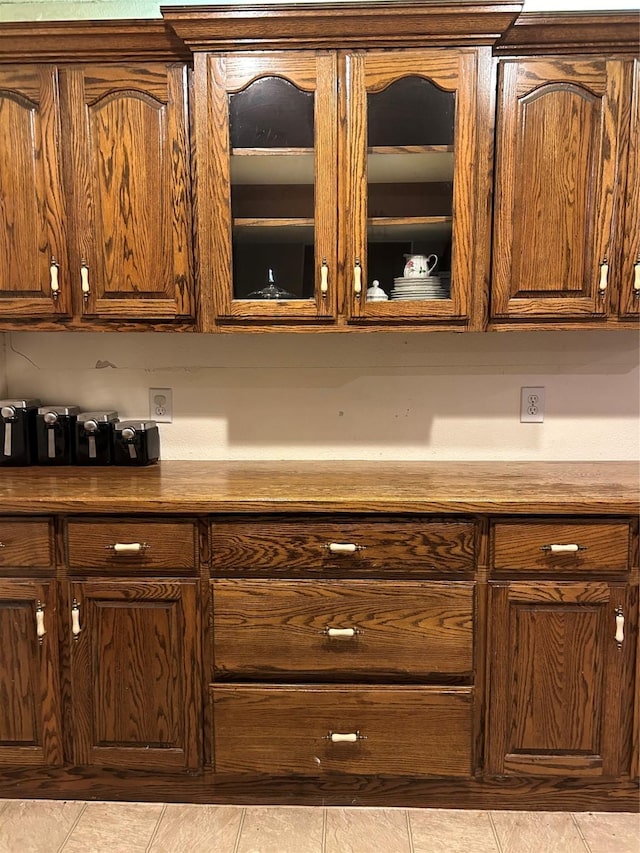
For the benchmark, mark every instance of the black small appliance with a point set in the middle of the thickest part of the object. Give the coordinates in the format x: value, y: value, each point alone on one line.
x: 55, y: 428
x: 136, y: 443
x: 94, y: 438
x: 18, y: 432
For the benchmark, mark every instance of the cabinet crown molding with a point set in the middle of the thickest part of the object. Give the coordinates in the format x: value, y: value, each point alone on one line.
x: 331, y: 25
x: 580, y: 32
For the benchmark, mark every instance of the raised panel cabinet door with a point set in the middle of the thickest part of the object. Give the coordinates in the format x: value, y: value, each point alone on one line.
x: 129, y: 129
x: 30, y: 732
x: 135, y: 674
x: 560, y: 674
x: 34, y: 274
x: 266, y: 135
x: 417, y: 134
x: 556, y: 180
x: 630, y: 265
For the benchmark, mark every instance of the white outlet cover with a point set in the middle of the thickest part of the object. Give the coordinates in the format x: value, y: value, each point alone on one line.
x: 161, y: 405
x: 532, y: 405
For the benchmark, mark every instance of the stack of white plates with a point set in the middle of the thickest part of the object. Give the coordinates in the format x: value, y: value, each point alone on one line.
x: 414, y: 288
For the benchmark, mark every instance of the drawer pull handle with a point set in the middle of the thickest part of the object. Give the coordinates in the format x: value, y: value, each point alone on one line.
x: 84, y: 280
x: 344, y: 547
x: 636, y: 277
x: 619, y: 627
x: 563, y: 549
x: 324, y: 278
x: 127, y: 547
x: 75, y: 619
x: 341, y: 632
x: 604, y: 276
x: 357, y: 278
x: 40, y: 629
x: 349, y: 737
x: 2, y: 545
x: 55, y: 284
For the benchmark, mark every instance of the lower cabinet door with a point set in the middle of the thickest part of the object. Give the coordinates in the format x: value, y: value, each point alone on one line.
x: 560, y: 679
x: 135, y: 674
x: 316, y: 729
x: 29, y: 678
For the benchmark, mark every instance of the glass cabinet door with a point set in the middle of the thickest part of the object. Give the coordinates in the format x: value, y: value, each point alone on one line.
x: 411, y: 185
x: 275, y: 221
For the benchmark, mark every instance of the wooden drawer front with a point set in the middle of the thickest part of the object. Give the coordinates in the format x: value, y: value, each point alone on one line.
x: 265, y: 628
x: 603, y: 546
x: 388, y: 545
x: 26, y: 544
x: 407, y: 731
x: 165, y: 546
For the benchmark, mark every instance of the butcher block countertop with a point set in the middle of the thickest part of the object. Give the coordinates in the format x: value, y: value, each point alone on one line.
x: 589, y: 488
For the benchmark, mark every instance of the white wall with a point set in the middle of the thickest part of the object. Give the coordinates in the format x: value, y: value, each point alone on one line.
x: 354, y: 396
x: 3, y: 367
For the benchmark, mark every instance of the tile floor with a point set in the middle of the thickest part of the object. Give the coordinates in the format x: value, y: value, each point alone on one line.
x: 51, y: 826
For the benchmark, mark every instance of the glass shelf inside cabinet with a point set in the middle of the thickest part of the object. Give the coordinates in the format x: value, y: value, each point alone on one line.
x: 410, y: 174
x: 272, y: 190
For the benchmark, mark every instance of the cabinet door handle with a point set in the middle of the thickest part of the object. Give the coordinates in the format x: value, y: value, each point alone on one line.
x: 75, y: 619
x: 636, y: 277
x: 619, y: 627
x: 344, y: 547
x: 84, y: 279
x: 40, y: 629
x: 347, y: 737
x: 8, y: 416
x: 341, y: 632
x: 127, y: 547
x: 55, y: 285
x: 564, y: 549
x: 357, y: 278
x: 324, y: 278
x: 604, y: 275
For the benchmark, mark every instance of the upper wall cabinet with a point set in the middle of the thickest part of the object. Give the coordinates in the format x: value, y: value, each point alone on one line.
x: 630, y: 224
x: 33, y: 237
x: 95, y: 181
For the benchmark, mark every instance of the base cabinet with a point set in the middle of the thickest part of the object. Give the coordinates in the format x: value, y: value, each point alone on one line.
x: 561, y: 658
x: 30, y: 733
x: 133, y: 674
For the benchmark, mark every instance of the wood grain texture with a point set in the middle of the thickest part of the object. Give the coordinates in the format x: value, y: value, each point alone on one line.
x: 384, y: 545
x: 555, y: 488
x: 518, y: 546
x: 130, y: 172
x: 270, y: 628
x: 170, y: 546
x: 30, y: 722
x: 630, y: 224
x: 26, y: 544
x: 32, y: 214
x: 408, y: 730
x: 559, y: 197
x: 556, y: 679
x: 598, y: 32
x: 135, y: 675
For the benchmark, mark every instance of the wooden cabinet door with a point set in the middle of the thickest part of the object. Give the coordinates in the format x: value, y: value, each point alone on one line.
x: 128, y: 125
x: 560, y: 685
x: 135, y: 674
x: 413, y: 158
x: 29, y: 678
x: 556, y: 181
x: 630, y: 265
x: 266, y: 129
x: 34, y: 274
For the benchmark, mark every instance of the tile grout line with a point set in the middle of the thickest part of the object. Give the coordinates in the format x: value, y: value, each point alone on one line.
x: 72, y: 829
x: 239, y: 833
x: 156, y: 828
x: 495, y: 832
x: 580, y: 833
x: 409, y: 832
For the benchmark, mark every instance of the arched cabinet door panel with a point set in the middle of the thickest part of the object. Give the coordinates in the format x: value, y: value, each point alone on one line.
x: 34, y: 273
x: 557, y: 162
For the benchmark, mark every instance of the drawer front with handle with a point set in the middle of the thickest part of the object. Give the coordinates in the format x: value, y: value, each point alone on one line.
x: 26, y: 543
x: 369, y: 629
x: 312, y: 730
x: 131, y: 546
x: 557, y: 547
x: 356, y: 547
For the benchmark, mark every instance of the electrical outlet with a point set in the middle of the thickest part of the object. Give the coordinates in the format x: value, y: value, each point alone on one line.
x: 532, y: 405
x: 161, y: 405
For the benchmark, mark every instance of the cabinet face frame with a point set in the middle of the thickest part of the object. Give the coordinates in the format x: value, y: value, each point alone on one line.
x: 216, y: 76
x: 33, y: 242
x: 514, y: 674
x: 102, y: 605
x: 35, y: 669
x: 630, y: 211
x: 597, y: 87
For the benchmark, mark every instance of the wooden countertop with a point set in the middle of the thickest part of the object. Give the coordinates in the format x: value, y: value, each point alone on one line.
x: 436, y: 487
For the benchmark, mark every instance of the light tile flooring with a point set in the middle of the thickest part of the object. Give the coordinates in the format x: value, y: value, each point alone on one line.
x: 51, y: 826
